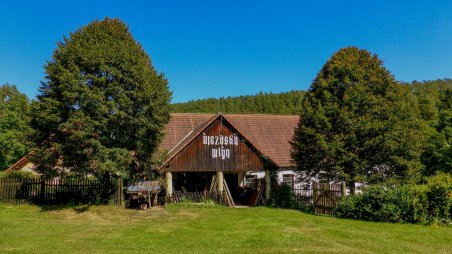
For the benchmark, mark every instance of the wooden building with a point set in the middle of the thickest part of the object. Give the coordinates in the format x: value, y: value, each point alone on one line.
x: 233, y: 147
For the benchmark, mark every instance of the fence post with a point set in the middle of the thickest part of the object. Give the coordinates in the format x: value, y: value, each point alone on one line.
x: 343, y: 189
x: 42, y: 193
x: 120, y: 195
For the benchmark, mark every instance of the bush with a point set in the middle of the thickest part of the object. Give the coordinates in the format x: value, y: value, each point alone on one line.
x: 429, y: 203
x: 283, y: 197
x: 439, y: 195
x: 376, y: 203
x: 23, y: 175
x: 413, y: 203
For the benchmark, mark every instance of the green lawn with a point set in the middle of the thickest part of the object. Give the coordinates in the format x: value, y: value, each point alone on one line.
x: 32, y: 229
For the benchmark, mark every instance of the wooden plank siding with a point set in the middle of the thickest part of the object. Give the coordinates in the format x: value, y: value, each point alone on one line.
x: 199, y: 154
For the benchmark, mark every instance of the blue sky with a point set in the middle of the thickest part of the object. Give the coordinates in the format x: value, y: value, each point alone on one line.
x: 227, y: 48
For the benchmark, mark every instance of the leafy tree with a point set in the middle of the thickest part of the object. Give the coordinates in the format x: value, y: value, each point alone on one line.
x: 444, y: 133
x: 428, y: 94
x: 102, y: 107
x: 433, y: 97
x: 14, y: 125
x: 357, y: 123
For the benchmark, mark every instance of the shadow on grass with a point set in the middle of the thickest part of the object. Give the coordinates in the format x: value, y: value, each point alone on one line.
x: 81, y: 208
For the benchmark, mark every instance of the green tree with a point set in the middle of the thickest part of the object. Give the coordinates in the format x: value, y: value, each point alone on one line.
x: 428, y: 94
x: 433, y: 99
x: 443, y: 160
x: 357, y: 123
x: 102, y: 107
x: 14, y: 125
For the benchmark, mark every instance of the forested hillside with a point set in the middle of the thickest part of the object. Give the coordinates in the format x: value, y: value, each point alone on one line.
x: 287, y: 103
x: 290, y: 102
x: 428, y: 94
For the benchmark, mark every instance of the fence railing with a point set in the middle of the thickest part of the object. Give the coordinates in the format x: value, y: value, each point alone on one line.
x: 303, y: 195
x: 58, y: 191
x: 322, y: 196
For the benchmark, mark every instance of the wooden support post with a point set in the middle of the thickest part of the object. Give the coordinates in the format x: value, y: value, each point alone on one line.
x: 169, y: 184
x: 267, y: 184
x: 220, y: 182
x: 241, y: 177
x: 343, y: 189
x: 149, y: 199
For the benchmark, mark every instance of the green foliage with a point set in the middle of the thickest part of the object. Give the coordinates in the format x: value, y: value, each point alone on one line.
x: 283, y: 197
x: 434, y: 156
x: 437, y: 149
x: 14, y: 125
x: 428, y: 94
x: 263, y: 103
x: 439, y: 194
x: 102, y: 107
x: 357, y: 123
x: 24, y: 175
x: 429, y: 203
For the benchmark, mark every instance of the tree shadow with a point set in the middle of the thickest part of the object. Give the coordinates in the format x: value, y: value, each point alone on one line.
x: 79, y: 208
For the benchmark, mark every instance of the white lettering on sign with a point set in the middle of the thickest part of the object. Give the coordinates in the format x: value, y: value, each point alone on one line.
x: 220, y: 140
x: 220, y: 152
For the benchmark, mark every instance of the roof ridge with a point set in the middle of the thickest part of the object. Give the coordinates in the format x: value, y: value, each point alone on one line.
x: 235, y: 114
x: 263, y: 115
x: 187, y: 113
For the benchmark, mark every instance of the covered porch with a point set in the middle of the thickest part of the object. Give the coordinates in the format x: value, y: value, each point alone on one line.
x: 229, y: 188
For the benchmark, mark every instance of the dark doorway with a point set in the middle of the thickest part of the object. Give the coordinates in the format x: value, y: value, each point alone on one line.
x: 192, y: 182
x: 232, y: 179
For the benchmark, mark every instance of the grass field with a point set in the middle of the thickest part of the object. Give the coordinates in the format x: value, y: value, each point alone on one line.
x: 103, y: 229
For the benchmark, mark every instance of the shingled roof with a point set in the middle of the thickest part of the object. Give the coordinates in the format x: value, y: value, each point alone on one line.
x: 270, y: 134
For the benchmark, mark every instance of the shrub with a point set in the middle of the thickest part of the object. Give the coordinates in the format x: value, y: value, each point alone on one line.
x: 284, y: 197
x: 413, y: 203
x: 429, y: 203
x: 388, y: 212
x: 23, y: 175
x: 439, y: 195
x: 376, y: 203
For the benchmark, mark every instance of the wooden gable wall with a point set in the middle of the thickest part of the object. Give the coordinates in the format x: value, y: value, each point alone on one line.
x: 218, y: 148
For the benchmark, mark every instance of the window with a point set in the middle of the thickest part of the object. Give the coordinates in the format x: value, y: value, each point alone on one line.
x: 249, y: 180
x: 288, y: 179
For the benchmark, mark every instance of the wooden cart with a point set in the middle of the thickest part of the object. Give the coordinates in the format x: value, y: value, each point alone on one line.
x: 143, y: 193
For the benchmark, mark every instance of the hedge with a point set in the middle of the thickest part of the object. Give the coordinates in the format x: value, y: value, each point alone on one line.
x: 427, y: 203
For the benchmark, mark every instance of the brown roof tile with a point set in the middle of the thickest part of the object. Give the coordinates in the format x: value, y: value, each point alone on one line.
x: 270, y: 134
